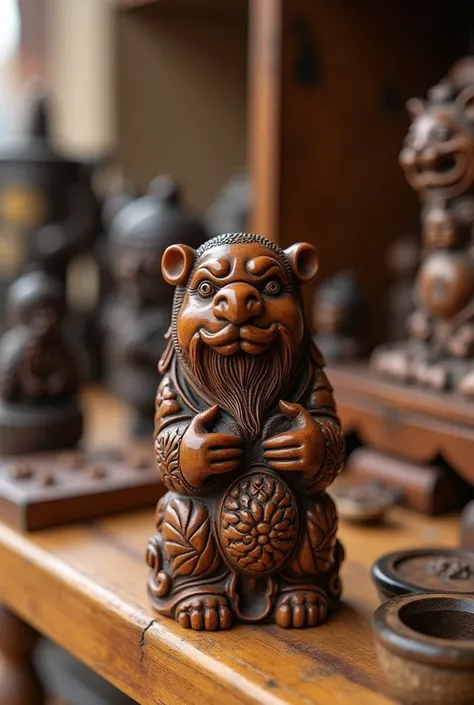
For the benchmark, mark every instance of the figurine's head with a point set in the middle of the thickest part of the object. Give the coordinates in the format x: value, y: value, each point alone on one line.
x: 337, y: 304
x: 140, y: 232
x: 238, y: 322
x: 36, y: 300
x: 438, y: 153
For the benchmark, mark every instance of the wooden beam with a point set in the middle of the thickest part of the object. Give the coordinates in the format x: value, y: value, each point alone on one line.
x: 264, y: 113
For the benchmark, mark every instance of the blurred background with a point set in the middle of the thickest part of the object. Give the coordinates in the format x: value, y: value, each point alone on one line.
x: 282, y: 117
x: 295, y: 107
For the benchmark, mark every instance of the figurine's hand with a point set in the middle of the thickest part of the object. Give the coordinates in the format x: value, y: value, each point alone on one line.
x: 302, y: 448
x: 419, y: 325
x: 203, y: 453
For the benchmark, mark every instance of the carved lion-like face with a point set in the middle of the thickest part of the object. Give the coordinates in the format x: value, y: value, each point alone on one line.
x: 238, y: 297
x: 438, y: 153
x: 240, y: 324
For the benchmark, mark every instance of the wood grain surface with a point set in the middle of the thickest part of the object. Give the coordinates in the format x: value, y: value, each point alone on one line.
x: 85, y: 587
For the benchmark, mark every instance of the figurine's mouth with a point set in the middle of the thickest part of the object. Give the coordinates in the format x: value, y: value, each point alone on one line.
x: 232, y: 338
x: 440, y: 170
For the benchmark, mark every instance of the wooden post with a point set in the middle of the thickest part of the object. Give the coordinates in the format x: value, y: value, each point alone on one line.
x: 264, y: 113
x: 19, y: 682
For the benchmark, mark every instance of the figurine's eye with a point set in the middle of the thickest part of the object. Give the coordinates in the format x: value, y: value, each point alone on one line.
x: 206, y: 289
x: 442, y: 133
x: 272, y: 288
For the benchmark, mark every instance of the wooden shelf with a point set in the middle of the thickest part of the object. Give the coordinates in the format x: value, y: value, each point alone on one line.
x: 84, y: 586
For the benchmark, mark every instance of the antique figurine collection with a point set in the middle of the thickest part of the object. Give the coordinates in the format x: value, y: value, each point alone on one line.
x: 207, y: 342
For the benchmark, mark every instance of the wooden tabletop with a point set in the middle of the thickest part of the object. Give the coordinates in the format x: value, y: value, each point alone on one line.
x: 84, y: 586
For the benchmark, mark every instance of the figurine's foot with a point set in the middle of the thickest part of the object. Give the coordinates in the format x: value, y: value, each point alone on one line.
x: 301, y: 608
x: 466, y: 385
x: 209, y: 612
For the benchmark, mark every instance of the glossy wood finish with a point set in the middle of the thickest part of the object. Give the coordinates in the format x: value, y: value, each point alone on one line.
x: 247, y: 440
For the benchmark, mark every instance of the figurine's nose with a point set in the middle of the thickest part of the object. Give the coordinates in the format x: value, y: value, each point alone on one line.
x: 237, y: 303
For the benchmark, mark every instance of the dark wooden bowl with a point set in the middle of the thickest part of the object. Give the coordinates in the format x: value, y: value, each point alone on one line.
x: 425, y: 645
x: 424, y: 570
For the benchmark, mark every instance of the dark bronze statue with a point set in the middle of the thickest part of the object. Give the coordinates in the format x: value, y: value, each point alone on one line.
x: 337, y: 317
x: 137, y: 317
x: 247, y: 440
x: 39, y: 374
x: 438, y: 160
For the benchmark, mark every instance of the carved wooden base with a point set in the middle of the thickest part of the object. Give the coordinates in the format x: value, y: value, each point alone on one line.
x: 30, y: 429
x: 258, y: 557
x: 19, y: 683
x: 429, y: 489
x: 416, y: 441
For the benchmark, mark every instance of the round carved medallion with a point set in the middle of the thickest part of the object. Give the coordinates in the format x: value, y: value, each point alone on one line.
x: 258, y: 523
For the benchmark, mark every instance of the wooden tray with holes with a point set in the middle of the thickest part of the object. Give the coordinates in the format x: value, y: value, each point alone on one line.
x: 47, y: 489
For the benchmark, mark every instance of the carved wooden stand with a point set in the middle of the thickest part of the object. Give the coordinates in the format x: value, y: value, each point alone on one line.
x: 246, y: 440
x: 19, y: 683
x: 415, y: 441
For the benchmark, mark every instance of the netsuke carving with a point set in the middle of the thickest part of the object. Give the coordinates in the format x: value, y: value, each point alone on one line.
x: 247, y: 440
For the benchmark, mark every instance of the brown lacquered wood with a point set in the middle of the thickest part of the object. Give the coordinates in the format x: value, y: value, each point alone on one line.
x: 246, y: 440
x: 89, y: 588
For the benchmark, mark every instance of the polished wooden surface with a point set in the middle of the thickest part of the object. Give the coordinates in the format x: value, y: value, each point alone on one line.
x: 85, y: 587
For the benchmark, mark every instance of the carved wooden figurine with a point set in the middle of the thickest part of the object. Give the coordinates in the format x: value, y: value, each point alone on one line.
x: 137, y: 318
x: 39, y: 374
x: 337, y: 308
x: 438, y: 159
x: 247, y: 440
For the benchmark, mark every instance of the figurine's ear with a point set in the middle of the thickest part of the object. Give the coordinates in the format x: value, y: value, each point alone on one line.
x: 304, y: 261
x: 176, y: 264
x: 415, y: 107
x: 465, y: 102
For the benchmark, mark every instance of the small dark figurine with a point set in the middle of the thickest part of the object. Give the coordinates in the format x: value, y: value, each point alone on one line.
x: 48, y: 211
x: 137, y: 318
x: 39, y: 375
x: 247, y: 440
x: 438, y: 159
x: 337, y: 307
x: 403, y: 259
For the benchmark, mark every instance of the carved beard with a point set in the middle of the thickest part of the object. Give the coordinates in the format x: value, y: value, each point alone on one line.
x: 244, y: 385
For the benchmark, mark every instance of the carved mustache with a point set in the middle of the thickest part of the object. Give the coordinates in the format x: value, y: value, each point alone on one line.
x: 231, y: 333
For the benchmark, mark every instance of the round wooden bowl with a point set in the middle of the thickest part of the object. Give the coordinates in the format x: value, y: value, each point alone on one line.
x: 424, y: 570
x: 425, y: 645
x: 362, y: 503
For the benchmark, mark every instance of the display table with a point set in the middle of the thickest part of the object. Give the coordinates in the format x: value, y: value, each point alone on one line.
x: 84, y: 586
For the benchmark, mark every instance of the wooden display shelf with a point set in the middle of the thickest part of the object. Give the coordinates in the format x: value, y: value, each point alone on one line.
x: 85, y: 587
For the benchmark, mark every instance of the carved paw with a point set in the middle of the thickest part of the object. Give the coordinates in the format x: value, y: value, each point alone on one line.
x: 209, y: 612
x: 301, y: 608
